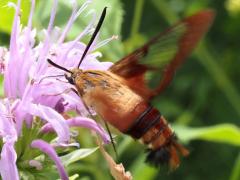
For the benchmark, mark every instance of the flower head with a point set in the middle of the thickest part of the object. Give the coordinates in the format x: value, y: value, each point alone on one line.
x: 37, y: 94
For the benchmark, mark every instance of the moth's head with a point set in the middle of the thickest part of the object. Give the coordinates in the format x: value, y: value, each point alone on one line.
x: 71, y: 76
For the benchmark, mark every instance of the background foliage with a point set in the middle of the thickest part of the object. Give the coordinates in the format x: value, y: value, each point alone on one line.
x: 203, y: 101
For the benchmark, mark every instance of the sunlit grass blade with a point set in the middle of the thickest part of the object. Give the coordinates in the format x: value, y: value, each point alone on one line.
x: 222, y: 133
x: 75, y: 176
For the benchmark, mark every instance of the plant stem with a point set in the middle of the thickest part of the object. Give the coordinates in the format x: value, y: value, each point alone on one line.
x: 219, y: 76
x: 235, y: 175
x: 163, y: 9
x: 137, y: 17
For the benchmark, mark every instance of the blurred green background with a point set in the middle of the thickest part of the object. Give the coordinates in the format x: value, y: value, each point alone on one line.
x: 203, y: 101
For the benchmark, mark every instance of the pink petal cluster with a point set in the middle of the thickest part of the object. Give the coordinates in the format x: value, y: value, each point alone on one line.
x: 32, y: 89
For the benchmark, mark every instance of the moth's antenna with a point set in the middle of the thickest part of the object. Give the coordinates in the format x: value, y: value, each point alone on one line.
x: 100, y: 22
x: 58, y: 66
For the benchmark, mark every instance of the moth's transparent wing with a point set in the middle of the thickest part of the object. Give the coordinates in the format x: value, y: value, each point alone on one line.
x: 150, y: 69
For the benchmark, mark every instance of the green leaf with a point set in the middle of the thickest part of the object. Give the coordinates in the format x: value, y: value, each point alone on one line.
x: 141, y: 171
x: 7, y: 14
x: 111, y: 26
x: 77, y: 155
x: 223, y: 133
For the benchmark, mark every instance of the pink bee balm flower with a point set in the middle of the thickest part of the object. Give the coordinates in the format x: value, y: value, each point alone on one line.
x: 37, y: 92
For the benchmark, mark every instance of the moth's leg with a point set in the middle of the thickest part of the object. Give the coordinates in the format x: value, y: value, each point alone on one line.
x: 75, y: 91
x: 105, y: 123
x: 91, y: 115
x: 111, y: 138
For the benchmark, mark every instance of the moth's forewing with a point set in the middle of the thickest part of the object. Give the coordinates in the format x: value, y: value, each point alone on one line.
x: 160, y: 57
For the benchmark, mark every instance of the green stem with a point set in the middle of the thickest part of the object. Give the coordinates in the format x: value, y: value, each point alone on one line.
x: 164, y: 10
x: 219, y: 76
x: 124, y: 145
x: 235, y: 175
x: 137, y: 17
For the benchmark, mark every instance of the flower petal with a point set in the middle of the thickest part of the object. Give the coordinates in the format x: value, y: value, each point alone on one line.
x: 8, y: 167
x: 10, y: 74
x: 7, y: 127
x: 75, y: 13
x: 3, y: 53
x: 36, y: 164
x: 82, y: 122
x: 53, y: 117
x: 50, y: 151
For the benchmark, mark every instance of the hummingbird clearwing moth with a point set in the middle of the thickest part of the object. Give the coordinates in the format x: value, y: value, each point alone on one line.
x: 121, y: 95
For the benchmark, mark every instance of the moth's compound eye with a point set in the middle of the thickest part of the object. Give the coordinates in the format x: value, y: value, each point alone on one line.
x: 70, y: 79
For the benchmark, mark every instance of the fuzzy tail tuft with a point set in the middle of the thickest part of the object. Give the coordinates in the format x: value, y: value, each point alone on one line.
x: 168, y: 154
x: 158, y: 157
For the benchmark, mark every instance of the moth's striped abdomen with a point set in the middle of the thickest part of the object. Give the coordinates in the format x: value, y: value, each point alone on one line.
x: 154, y: 131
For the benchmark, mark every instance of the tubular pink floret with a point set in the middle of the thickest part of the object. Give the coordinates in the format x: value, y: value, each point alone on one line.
x: 8, y: 166
x: 81, y: 9
x: 31, y: 14
x: 68, y: 26
x: 104, y: 42
x: 50, y: 151
x: 23, y: 71
x: 73, y: 17
x: 36, y: 164
x: 50, y: 115
x: 85, y: 32
x: 52, y: 17
x: 81, y: 122
x: 9, y: 81
x: 42, y: 64
x: 27, y: 100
